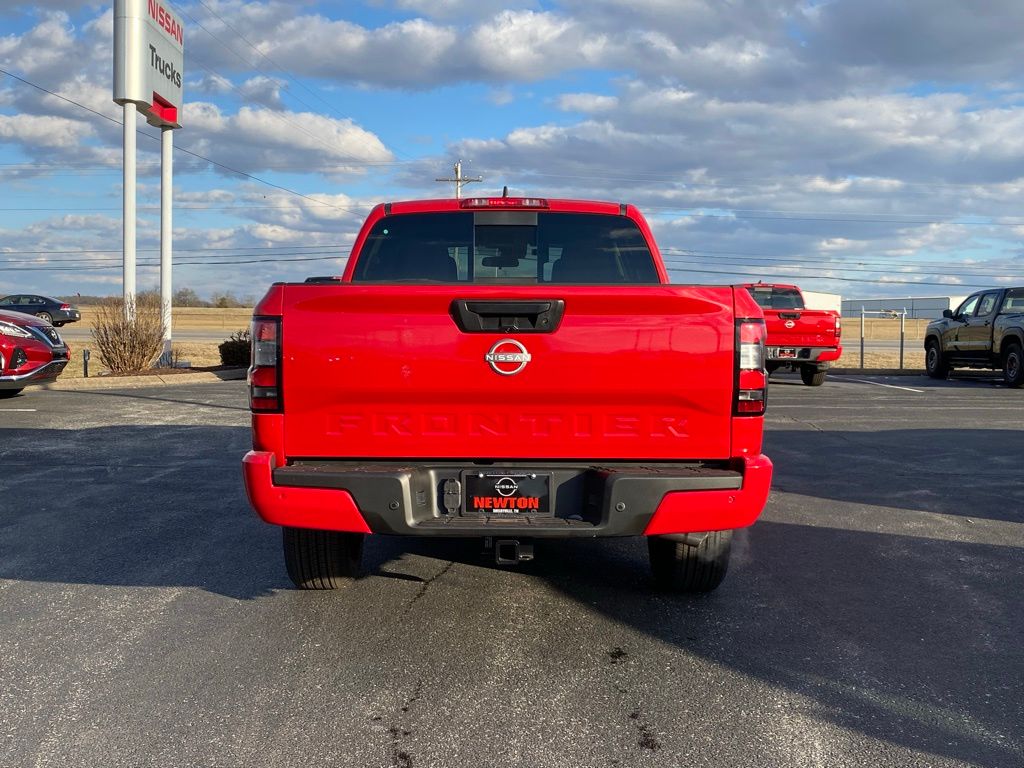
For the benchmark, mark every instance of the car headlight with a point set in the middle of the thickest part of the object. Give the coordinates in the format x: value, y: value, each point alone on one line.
x: 10, y: 329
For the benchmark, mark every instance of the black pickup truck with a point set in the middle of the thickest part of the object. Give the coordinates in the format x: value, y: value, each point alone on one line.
x: 985, y: 331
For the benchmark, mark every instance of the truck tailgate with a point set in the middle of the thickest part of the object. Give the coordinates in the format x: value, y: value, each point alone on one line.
x: 800, y: 328
x: 634, y: 372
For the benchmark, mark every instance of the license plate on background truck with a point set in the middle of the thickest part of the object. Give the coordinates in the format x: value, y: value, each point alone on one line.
x: 781, y: 353
x: 507, y: 494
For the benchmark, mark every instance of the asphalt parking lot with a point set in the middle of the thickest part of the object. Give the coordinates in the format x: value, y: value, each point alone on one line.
x: 874, y: 616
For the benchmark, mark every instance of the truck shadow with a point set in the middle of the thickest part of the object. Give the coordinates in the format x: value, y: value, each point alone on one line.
x: 908, y: 640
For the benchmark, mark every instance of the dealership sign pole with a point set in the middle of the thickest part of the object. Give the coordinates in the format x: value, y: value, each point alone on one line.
x: 149, y: 57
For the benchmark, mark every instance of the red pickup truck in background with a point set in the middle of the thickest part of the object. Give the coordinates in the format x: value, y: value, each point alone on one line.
x: 511, y: 369
x: 800, y: 339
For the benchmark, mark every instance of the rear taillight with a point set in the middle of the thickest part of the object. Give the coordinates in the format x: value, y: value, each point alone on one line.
x: 265, y: 371
x: 751, y: 378
x: 839, y: 327
x: 65, y: 307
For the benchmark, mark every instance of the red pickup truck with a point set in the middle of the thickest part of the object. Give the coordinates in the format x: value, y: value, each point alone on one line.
x: 800, y: 339
x: 512, y: 369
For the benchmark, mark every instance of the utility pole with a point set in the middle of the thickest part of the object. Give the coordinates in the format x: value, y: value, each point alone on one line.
x: 459, y: 180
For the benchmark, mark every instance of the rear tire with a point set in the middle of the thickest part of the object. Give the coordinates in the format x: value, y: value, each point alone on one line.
x: 1013, y: 366
x: 6, y: 393
x: 46, y: 317
x: 680, y: 567
x: 812, y: 376
x: 322, y: 559
x: 934, y: 361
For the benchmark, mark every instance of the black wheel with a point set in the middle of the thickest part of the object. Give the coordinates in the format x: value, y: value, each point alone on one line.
x: 1013, y: 366
x: 322, y: 559
x: 934, y: 361
x: 5, y: 393
x: 45, y: 317
x: 812, y: 376
x: 681, y: 567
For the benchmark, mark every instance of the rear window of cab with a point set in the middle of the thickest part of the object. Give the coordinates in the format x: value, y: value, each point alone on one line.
x: 506, y: 247
x: 771, y: 297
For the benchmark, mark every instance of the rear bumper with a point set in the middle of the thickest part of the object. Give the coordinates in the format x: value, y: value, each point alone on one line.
x: 587, y: 500
x: 803, y: 354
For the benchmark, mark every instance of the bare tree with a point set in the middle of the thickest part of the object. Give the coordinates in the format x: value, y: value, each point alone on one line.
x: 129, y: 345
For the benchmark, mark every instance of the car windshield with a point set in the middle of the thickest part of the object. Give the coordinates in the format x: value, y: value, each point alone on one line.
x: 517, y: 247
x: 771, y: 297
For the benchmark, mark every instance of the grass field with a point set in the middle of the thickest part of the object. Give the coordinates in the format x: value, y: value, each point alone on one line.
x: 230, y: 320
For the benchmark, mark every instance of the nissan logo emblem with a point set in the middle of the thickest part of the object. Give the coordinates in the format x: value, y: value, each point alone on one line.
x: 790, y: 324
x: 507, y: 357
x: 506, y: 486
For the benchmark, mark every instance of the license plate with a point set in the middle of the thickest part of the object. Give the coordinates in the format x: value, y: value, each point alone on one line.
x: 507, y: 494
x: 786, y: 353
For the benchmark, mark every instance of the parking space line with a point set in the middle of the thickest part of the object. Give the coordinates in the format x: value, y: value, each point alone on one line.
x: 18, y: 410
x: 924, y: 406
x: 890, y: 386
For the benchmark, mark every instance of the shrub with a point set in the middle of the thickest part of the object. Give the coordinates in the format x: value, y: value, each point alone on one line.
x: 126, y: 346
x: 237, y: 350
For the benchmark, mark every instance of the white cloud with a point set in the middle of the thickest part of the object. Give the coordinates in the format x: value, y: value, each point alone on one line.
x: 461, y: 9
x: 33, y: 131
x: 255, y: 138
x: 588, y: 103
x: 265, y: 91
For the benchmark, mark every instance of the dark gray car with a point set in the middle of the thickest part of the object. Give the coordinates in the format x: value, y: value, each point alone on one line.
x: 49, y: 310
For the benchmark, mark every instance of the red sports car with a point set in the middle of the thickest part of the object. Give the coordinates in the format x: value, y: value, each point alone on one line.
x: 31, y: 352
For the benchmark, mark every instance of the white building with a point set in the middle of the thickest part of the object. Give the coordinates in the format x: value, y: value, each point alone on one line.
x: 818, y: 300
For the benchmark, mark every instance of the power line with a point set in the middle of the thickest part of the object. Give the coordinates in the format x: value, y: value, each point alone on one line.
x: 741, y: 266
x: 864, y: 281
x: 157, y: 264
x: 850, y: 265
x: 832, y: 218
x: 177, y: 249
x: 194, y: 258
x: 92, y: 209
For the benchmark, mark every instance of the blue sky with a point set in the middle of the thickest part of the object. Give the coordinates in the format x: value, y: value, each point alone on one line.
x: 855, y: 146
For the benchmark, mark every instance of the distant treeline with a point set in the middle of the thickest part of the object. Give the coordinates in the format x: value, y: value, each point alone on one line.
x: 183, y: 297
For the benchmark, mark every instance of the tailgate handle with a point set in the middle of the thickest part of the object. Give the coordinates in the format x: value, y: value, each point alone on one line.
x: 507, y: 315
x: 789, y: 315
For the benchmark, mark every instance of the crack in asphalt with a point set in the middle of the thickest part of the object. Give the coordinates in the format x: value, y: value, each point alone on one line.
x: 426, y: 586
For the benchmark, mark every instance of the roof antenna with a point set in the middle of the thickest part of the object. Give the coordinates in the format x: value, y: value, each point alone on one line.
x: 504, y: 191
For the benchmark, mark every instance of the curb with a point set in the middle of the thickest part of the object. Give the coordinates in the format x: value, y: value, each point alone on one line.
x: 139, y: 382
